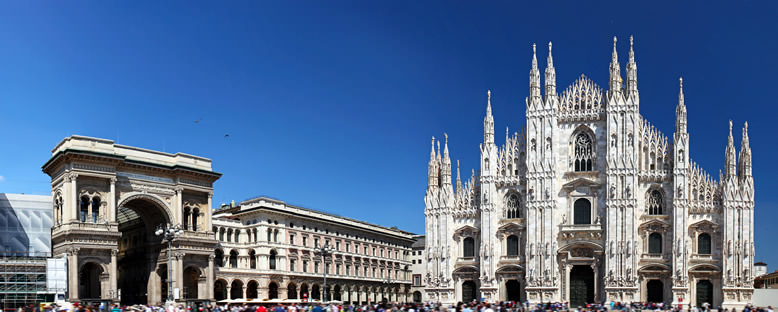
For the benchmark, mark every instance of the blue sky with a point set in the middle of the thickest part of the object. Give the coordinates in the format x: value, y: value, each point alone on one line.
x: 332, y: 105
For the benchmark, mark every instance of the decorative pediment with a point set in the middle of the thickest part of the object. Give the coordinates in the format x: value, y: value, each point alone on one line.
x: 704, y: 226
x: 655, y: 225
x: 655, y: 268
x: 704, y: 268
x: 510, y: 268
x: 510, y: 227
x: 466, y: 231
x: 580, y: 182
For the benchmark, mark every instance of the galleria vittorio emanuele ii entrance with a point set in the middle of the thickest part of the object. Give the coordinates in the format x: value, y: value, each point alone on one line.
x: 109, y: 201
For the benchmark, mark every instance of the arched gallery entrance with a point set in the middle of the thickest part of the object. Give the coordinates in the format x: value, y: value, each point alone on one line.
x: 417, y: 296
x: 468, y: 291
x: 581, y: 286
x: 513, y: 290
x: 220, y: 290
x: 655, y: 291
x: 89, y: 281
x: 139, y: 249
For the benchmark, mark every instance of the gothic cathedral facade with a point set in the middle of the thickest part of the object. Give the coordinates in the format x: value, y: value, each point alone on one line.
x: 590, y: 203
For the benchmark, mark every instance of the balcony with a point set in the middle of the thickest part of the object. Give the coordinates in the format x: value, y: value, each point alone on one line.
x: 589, y: 232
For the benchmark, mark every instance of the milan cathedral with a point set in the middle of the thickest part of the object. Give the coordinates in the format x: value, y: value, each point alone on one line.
x: 590, y: 203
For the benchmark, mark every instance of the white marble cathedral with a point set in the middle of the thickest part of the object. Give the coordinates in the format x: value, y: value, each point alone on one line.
x: 591, y: 203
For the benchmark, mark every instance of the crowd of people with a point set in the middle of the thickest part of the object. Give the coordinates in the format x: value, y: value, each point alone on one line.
x: 392, y: 307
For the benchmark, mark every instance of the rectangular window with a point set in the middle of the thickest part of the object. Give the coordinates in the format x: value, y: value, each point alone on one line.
x: 348, y: 269
x: 365, y: 250
x: 305, y: 266
x: 337, y: 269
x: 316, y: 267
x: 305, y: 241
x: 291, y: 265
x: 337, y: 246
x: 373, y: 251
x: 316, y: 243
x: 416, y: 279
x: 348, y: 247
x: 291, y: 239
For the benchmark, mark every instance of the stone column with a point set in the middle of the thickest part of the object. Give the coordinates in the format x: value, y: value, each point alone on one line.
x: 229, y: 291
x: 209, y: 278
x: 114, y: 273
x: 178, y: 210
x: 245, y: 287
x: 74, y: 210
x: 73, y: 274
x: 177, y: 273
x: 112, y: 201
x: 596, y: 277
x: 208, y: 212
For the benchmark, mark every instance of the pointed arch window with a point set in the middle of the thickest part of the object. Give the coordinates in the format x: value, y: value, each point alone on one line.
x: 655, y: 243
x: 84, y: 208
x: 513, y: 207
x: 703, y: 244
x: 654, y: 203
x: 583, y: 153
x: 95, y: 209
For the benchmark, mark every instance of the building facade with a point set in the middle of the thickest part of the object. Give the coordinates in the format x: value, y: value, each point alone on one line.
x: 268, y: 249
x: 418, y: 269
x: 589, y: 203
x: 25, y: 252
x: 108, y: 201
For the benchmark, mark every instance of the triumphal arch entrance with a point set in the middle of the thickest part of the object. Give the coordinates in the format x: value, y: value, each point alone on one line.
x: 109, y: 201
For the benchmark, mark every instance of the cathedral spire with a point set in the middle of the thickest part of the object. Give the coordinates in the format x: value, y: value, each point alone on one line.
x: 534, y: 80
x: 432, y: 169
x: 730, y: 157
x: 489, y: 120
x: 744, y: 168
x: 632, y: 72
x: 550, y: 74
x: 680, y: 111
x: 615, y: 71
x: 446, y: 163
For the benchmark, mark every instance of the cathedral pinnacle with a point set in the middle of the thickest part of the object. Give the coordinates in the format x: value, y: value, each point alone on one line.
x: 459, y: 180
x: 731, y: 159
x: 534, y: 80
x: 744, y: 168
x: 680, y: 111
x: 632, y: 72
x: 615, y: 70
x: 550, y: 74
x: 489, y: 120
x: 432, y: 150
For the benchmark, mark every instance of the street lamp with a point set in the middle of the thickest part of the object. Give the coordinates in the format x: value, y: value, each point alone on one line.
x: 325, y: 250
x: 169, y: 232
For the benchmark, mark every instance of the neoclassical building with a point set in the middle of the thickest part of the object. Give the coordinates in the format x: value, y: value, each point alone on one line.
x: 109, y: 200
x: 589, y: 202
x: 268, y: 249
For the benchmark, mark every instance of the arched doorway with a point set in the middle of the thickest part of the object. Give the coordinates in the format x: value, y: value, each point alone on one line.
x: 417, y: 296
x: 89, y: 281
x: 291, y: 291
x: 513, y: 290
x: 236, y: 290
x: 272, y: 291
x: 304, y: 291
x: 315, y: 292
x: 220, y: 290
x: 336, y: 293
x: 468, y: 291
x: 581, y: 286
x: 704, y: 292
x: 251, y: 290
x: 191, y: 277
x: 139, y: 247
x: 655, y: 291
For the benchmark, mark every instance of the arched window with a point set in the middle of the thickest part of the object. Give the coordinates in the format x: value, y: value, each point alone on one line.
x: 186, y: 218
x: 654, y: 202
x: 270, y: 235
x: 583, y: 153
x: 582, y: 211
x: 512, y: 207
x: 703, y: 244
x: 272, y: 260
x: 84, y: 208
x: 195, y: 214
x: 221, y: 234
x: 655, y: 243
x: 468, y: 247
x: 95, y: 209
x: 252, y: 259
x: 234, y: 259
x: 219, y: 259
x: 513, y: 245
x: 229, y: 235
x: 237, y: 236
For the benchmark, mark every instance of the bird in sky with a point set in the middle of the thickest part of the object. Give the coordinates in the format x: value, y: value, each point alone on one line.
x: 226, y: 135
x: 198, y: 121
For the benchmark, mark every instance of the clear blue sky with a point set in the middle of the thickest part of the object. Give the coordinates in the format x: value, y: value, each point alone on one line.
x: 331, y: 106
